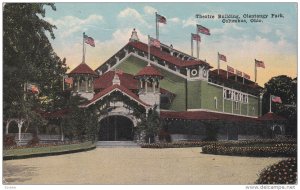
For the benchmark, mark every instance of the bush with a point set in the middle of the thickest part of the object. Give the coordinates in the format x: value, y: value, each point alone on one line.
x: 180, y: 144
x: 283, y: 172
x: 9, y: 141
x: 264, y: 148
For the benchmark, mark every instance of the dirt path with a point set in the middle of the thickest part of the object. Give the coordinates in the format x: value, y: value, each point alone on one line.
x: 136, y: 166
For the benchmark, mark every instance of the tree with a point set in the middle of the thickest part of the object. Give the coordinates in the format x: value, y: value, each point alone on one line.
x: 150, y: 125
x: 29, y: 57
x: 286, y: 88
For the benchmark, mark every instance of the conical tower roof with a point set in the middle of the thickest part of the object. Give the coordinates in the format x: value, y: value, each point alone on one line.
x: 83, y: 68
x: 149, y: 71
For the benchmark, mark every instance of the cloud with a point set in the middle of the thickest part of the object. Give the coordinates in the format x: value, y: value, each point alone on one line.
x: 174, y: 20
x: 226, y: 28
x: 67, y: 25
x: 131, y: 14
x: 149, y: 10
x: 191, y: 21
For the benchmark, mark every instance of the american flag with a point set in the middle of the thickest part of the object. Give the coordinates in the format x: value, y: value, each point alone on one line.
x: 89, y: 40
x: 69, y: 80
x: 196, y: 37
x: 259, y: 63
x: 276, y: 99
x: 246, y: 76
x: 239, y: 73
x: 154, y: 42
x: 32, y: 88
x: 222, y: 57
x: 230, y: 69
x: 161, y: 19
x: 203, y: 30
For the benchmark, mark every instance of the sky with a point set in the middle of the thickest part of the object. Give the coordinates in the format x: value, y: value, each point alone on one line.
x: 274, y: 40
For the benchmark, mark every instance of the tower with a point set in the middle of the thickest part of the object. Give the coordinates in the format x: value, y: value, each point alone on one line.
x: 149, y: 90
x: 83, y: 77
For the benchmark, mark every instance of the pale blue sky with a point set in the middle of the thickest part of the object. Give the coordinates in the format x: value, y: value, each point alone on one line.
x: 110, y: 24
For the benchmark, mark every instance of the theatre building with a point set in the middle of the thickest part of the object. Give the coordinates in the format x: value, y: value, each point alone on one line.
x: 190, y: 96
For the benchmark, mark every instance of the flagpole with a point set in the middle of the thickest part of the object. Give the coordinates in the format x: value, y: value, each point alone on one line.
x: 198, y: 49
x: 255, y: 70
x: 192, y: 45
x: 227, y: 71
x: 270, y: 104
x: 157, y: 26
x: 148, y: 50
x: 218, y: 63
x: 83, y: 52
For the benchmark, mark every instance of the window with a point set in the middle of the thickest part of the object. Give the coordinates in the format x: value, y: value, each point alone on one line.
x: 236, y: 105
x: 216, y: 102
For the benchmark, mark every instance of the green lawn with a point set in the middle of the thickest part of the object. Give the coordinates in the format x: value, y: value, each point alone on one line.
x: 46, y: 150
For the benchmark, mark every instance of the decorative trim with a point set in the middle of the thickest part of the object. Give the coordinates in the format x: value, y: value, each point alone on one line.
x: 221, y: 112
x: 116, y: 89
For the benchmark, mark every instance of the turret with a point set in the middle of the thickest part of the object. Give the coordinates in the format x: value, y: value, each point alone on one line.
x: 149, y: 90
x: 83, y: 77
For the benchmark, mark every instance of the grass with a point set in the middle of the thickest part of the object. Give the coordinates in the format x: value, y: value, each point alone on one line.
x: 47, y: 150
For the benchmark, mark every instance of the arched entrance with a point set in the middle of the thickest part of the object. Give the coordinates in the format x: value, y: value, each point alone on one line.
x: 116, y: 128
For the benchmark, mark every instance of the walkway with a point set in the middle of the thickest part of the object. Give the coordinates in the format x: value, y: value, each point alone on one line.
x: 136, y: 166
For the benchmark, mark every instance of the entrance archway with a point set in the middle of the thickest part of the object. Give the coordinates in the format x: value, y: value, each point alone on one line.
x: 116, y: 128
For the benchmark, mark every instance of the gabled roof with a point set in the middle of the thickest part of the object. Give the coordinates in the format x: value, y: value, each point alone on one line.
x: 126, y: 80
x: 83, y: 68
x: 166, y: 56
x: 149, y: 71
x: 113, y: 88
x: 205, y: 115
x: 270, y: 116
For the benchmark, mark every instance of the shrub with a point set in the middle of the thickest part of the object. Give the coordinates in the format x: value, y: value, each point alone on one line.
x: 179, y: 144
x: 283, y: 172
x: 9, y: 141
x: 253, y: 148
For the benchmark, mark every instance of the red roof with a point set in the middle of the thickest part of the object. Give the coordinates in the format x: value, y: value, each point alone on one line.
x: 113, y: 88
x: 126, y: 80
x: 222, y: 73
x: 148, y: 71
x: 271, y: 117
x: 55, y: 114
x: 83, y: 68
x: 166, y: 56
x: 204, y: 115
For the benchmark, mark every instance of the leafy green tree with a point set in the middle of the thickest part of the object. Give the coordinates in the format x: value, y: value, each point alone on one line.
x: 29, y: 57
x: 80, y: 124
x: 150, y: 126
x: 286, y: 88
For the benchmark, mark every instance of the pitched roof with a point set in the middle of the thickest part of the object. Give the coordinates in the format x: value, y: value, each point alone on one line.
x: 270, y: 116
x: 112, y: 88
x: 83, y: 68
x: 166, y: 56
x: 55, y: 114
x: 205, y: 115
x: 149, y: 70
x: 126, y: 80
